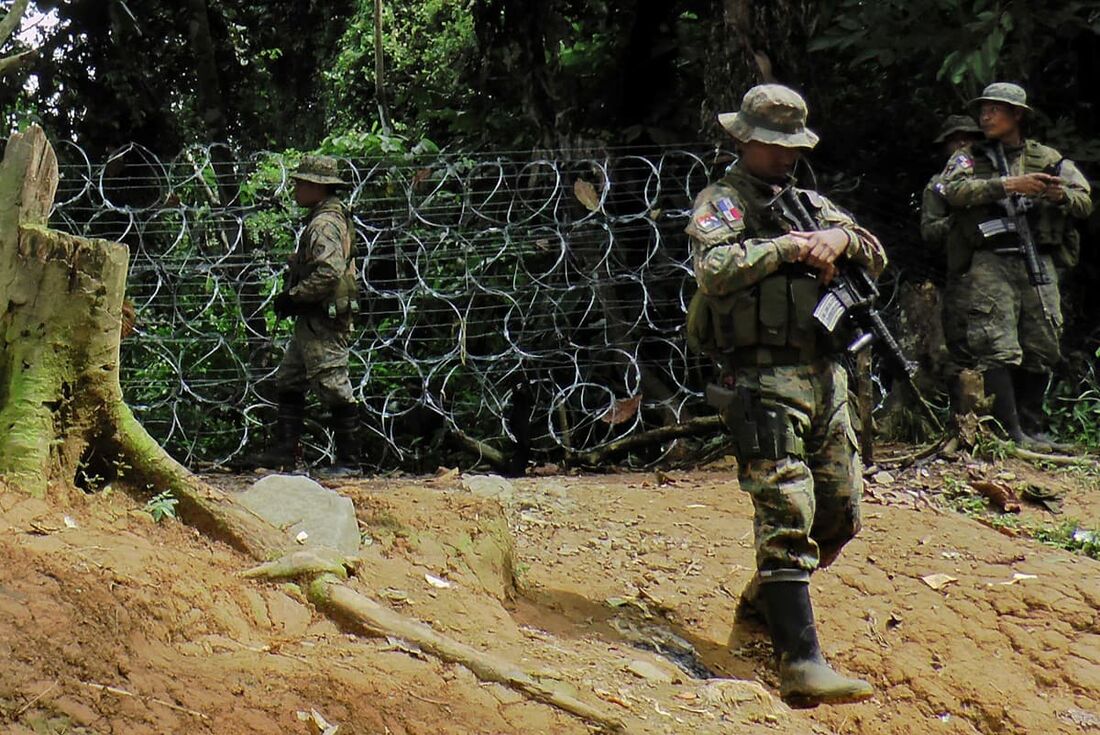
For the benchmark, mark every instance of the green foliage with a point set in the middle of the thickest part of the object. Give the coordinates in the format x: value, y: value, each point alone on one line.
x: 426, y: 45
x: 1075, y: 410
x: 1068, y: 534
x: 968, y: 43
x: 1071, y: 536
x: 162, y: 506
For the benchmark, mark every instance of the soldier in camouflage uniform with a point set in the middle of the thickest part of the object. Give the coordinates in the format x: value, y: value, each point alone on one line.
x: 320, y: 293
x: 956, y: 132
x: 1013, y: 328
x: 785, y: 393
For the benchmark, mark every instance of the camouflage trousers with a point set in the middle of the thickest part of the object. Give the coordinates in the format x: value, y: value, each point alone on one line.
x: 1005, y: 321
x: 806, y: 502
x: 317, y: 358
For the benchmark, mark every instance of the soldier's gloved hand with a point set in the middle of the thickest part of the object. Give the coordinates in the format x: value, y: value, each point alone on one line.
x: 1029, y: 184
x: 821, y: 248
x: 284, y: 306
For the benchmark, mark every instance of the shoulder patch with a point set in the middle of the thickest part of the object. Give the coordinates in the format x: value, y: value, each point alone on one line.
x: 728, y: 210
x: 707, y: 221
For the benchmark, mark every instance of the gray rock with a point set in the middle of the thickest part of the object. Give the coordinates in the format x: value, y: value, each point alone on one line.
x: 297, y: 504
x: 489, y: 486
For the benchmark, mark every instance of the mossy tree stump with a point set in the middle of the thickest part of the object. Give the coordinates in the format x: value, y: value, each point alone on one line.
x: 61, y: 404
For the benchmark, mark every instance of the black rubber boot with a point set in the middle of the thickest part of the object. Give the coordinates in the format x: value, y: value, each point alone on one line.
x: 345, y: 432
x: 1030, y: 390
x: 285, y: 452
x: 998, y: 384
x: 806, y: 680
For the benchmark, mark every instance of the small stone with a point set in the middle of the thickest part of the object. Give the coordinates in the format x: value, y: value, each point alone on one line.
x: 649, y: 672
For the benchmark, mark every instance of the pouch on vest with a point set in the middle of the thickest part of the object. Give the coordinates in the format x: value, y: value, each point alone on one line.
x: 805, y: 294
x: 700, y: 332
x: 774, y: 311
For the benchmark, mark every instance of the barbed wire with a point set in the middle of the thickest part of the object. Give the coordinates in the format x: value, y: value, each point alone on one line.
x: 565, y: 277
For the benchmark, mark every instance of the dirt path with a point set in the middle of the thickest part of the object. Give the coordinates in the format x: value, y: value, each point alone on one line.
x: 626, y: 591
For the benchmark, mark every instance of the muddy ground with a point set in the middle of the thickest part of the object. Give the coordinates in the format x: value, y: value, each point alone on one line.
x: 620, y: 588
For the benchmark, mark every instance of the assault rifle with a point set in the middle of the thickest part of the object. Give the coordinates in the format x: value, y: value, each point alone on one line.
x: 1016, y: 223
x: 849, y: 298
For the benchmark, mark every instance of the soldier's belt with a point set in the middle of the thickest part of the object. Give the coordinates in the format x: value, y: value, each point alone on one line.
x: 328, y: 311
x: 769, y: 356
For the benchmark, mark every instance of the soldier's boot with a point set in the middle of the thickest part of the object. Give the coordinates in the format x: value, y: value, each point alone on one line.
x: 345, y: 433
x: 998, y: 384
x: 1030, y: 389
x: 285, y: 451
x: 750, y: 605
x: 806, y: 680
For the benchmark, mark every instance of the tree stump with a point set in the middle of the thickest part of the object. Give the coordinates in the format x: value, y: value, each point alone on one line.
x: 61, y: 404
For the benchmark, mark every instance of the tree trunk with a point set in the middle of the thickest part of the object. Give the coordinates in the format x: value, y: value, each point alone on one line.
x: 61, y: 406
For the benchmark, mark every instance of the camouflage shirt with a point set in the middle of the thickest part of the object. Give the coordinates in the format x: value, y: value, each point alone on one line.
x: 969, y: 182
x: 323, y: 256
x: 935, y: 215
x: 737, y: 240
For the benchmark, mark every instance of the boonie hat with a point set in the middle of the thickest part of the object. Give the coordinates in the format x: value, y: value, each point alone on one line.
x: 1007, y: 92
x: 957, y: 124
x: 771, y: 113
x: 319, y: 170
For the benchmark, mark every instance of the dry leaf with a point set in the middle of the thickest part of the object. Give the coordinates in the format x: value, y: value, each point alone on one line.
x: 938, y: 581
x: 999, y: 494
x: 622, y: 410
x: 1017, y: 577
x: 586, y: 195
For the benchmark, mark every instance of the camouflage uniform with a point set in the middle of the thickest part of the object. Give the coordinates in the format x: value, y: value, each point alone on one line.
x: 321, y: 279
x: 796, y: 449
x: 935, y: 225
x: 1013, y: 327
x: 1006, y: 324
x: 320, y: 292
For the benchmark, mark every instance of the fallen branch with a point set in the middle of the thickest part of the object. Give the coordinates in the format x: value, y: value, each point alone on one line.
x: 329, y: 593
x: 923, y: 453
x: 694, y: 427
x: 1060, y: 460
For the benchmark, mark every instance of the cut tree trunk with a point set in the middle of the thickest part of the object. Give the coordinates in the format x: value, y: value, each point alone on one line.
x: 62, y: 415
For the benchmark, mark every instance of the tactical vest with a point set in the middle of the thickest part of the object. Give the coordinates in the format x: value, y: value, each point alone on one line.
x: 771, y: 322
x: 342, y: 302
x: 1052, y: 230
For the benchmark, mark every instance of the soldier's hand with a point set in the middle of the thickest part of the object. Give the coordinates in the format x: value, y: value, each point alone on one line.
x: 284, y: 306
x: 1055, y: 193
x: 1030, y: 184
x: 821, y: 248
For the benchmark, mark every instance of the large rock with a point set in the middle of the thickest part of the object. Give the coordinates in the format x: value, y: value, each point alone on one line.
x: 296, y: 503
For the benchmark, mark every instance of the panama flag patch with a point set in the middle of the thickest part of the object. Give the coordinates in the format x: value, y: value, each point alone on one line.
x: 706, y: 222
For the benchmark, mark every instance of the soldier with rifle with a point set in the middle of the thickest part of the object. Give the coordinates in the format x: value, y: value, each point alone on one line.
x: 1013, y: 201
x: 319, y: 293
x: 764, y: 255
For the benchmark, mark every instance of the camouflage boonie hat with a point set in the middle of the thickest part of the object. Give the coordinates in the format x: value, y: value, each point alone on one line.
x: 1010, y: 94
x: 957, y: 124
x: 319, y: 170
x: 770, y: 113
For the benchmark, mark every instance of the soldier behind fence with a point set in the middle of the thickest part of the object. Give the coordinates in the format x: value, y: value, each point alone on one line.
x: 1013, y: 319
x: 956, y: 132
x: 320, y: 294
x: 785, y: 393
